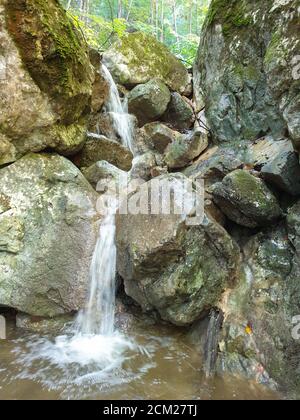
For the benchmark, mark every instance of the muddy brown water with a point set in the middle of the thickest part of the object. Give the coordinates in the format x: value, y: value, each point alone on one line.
x: 167, y: 366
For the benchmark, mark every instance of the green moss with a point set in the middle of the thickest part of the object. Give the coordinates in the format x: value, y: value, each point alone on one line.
x: 250, y: 72
x: 231, y: 16
x: 275, y: 48
x: 148, y: 59
x: 54, y: 54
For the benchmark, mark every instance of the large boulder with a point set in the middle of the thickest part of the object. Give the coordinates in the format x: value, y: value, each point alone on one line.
x: 48, y: 233
x: 169, y: 266
x: 246, y: 200
x: 99, y: 148
x: 148, y: 102
x: 258, y: 329
x: 46, y: 80
x: 137, y: 58
x: 247, y: 69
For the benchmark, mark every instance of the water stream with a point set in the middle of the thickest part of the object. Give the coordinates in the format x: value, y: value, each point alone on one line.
x: 121, y: 120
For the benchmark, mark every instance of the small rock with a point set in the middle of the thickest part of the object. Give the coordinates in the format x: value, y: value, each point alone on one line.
x: 102, y: 170
x: 180, y: 114
x: 99, y: 148
x: 185, y: 149
x: 143, y: 165
x: 265, y: 150
x: 284, y: 172
x: 160, y: 135
x: 148, y: 102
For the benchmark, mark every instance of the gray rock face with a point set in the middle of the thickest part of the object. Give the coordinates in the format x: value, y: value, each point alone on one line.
x: 178, y: 270
x: 138, y: 57
x: 99, y: 148
x: 48, y: 234
x: 184, y: 149
x: 148, y: 102
x: 246, y: 69
x: 180, y: 114
x: 246, y: 200
x: 257, y: 332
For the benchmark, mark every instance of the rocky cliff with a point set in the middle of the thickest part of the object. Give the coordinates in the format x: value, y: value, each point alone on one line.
x: 247, y: 69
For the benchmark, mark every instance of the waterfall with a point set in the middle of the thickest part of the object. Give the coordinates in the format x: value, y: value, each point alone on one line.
x: 121, y: 120
x: 98, y: 316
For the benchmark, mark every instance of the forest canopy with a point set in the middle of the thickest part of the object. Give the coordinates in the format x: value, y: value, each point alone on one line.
x: 176, y: 23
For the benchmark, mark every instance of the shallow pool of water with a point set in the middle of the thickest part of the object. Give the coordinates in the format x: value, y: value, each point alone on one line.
x: 156, y: 363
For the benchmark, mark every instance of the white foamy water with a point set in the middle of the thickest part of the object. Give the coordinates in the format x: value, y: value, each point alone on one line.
x: 122, y: 121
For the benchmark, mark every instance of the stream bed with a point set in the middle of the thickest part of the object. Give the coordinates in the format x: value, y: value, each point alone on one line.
x: 154, y: 363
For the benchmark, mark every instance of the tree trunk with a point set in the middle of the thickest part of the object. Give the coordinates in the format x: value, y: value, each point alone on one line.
x: 191, y: 18
x: 152, y: 13
x: 175, y: 20
x: 129, y: 10
x: 156, y: 18
x: 162, y: 18
x: 120, y: 9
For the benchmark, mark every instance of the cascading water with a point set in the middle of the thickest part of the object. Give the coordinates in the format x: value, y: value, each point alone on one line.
x: 98, y: 316
x: 121, y: 120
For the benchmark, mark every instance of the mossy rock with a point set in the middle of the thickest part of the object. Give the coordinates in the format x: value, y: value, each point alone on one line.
x: 54, y: 53
x: 246, y: 200
x: 138, y: 57
x: 244, y: 69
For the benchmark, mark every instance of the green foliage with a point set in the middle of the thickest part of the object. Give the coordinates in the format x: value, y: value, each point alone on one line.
x: 186, y: 49
x: 176, y: 23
